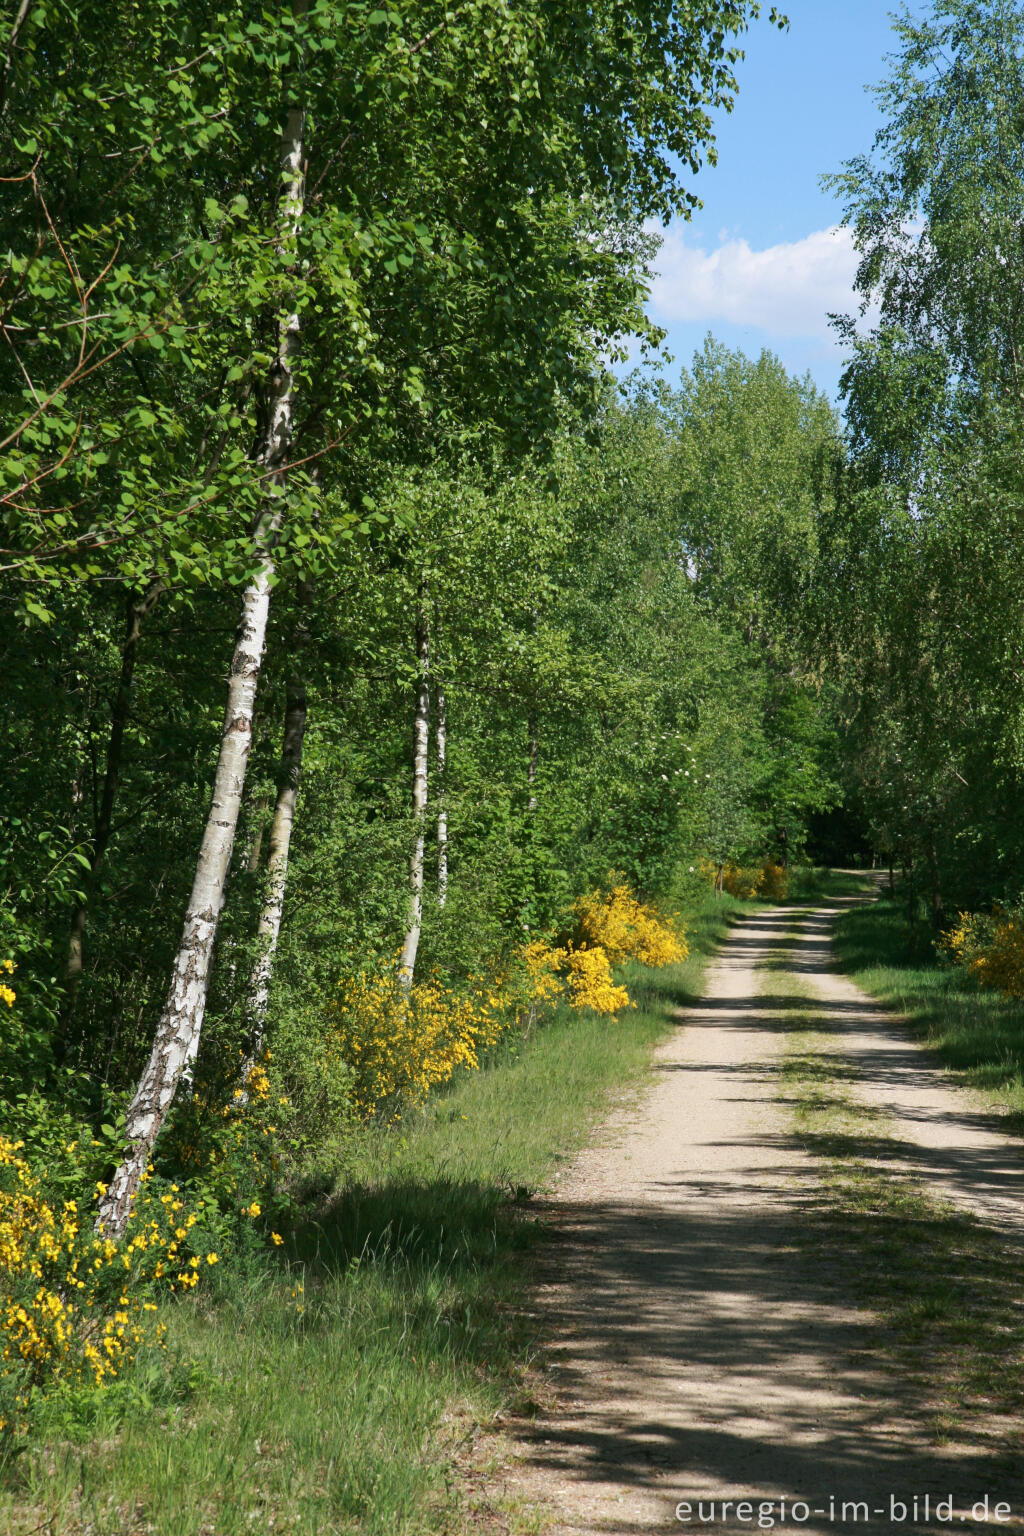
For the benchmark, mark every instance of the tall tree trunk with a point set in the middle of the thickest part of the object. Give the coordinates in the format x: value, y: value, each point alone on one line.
x: 532, y: 735
x: 420, y: 747
x: 281, y: 824
x: 136, y: 610
x: 177, y: 1035
x: 532, y: 758
x: 441, y: 743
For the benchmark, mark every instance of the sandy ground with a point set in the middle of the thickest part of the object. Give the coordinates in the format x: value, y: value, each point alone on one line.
x: 697, y: 1353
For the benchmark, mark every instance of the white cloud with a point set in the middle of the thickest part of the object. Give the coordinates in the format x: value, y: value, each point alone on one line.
x: 788, y: 290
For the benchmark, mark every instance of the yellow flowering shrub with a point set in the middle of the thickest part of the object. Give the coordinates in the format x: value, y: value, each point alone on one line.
x: 773, y: 881
x: 255, y: 1087
x: 989, y: 947
x: 748, y: 882
x: 75, y: 1307
x: 398, y: 1047
x: 590, y: 981
x: 609, y: 927
x: 626, y: 929
x: 401, y: 1046
x: 7, y: 992
x: 543, y: 967
x: 535, y: 981
x: 740, y: 881
x: 227, y: 1139
x: 965, y: 942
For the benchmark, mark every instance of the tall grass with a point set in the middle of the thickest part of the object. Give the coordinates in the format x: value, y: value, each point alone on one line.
x: 978, y: 1034
x: 329, y: 1391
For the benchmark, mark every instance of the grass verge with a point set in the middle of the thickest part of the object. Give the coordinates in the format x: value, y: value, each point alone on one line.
x: 978, y: 1035
x: 329, y: 1393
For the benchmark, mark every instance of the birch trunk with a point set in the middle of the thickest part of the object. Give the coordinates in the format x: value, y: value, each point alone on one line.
x: 177, y: 1035
x: 533, y: 755
x: 532, y: 738
x: 420, y: 747
x: 269, y: 928
x: 441, y: 745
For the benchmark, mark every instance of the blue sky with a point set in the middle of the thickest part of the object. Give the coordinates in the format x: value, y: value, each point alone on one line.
x: 760, y: 265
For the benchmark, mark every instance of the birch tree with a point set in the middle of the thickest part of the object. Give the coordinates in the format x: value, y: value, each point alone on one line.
x: 441, y: 761
x: 178, y: 1031
x: 420, y: 752
x: 281, y: 825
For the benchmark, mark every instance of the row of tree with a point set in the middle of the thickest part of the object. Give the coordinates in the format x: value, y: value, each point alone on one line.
x: 920, y: 587
x: 344, y: 609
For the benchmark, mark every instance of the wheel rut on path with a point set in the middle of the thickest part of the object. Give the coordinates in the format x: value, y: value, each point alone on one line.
x: 697, y: 1351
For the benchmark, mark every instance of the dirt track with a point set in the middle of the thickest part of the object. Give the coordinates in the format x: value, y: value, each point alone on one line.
x: 699, y: 1352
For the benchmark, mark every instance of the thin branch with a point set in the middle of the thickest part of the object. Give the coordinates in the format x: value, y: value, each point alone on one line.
x: 80, y: 372
x: 21, y: 365
x: 197, y: 60
x: 92, y: 539
x: 51, y: 469
x: 72, y: 268
x: 9, y: 52
x: 442, y: 26
x: 330, y: 161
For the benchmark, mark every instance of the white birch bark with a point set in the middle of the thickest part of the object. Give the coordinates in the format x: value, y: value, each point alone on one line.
x: 177, y: 1035
x: 283, y: 820
x: 420, y: 747
x: 441, y: 754
x: 533, y: 754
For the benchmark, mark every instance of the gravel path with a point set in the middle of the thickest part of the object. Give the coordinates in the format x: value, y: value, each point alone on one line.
x: 698, y: 1352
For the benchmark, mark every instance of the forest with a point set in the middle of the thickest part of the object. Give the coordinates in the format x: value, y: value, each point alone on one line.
x: 390, y: 673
